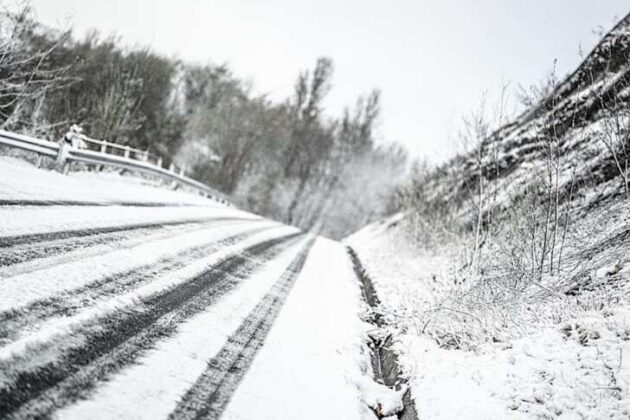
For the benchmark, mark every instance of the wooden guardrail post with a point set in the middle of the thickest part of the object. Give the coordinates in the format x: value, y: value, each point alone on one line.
x: 127, y: 152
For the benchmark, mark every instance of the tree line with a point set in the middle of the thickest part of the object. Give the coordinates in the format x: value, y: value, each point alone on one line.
x: 289, y: 160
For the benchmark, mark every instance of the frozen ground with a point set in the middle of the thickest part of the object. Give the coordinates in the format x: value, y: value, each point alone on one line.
x: 571, y: 364
x: 186, y: 309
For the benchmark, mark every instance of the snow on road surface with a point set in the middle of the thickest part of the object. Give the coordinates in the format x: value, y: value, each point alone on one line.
x: 182, y: 311
x: 315, y: 356
x: 18, y: 294
x: 152, y: 388
x: 24, y: 220
x: 21, y: 289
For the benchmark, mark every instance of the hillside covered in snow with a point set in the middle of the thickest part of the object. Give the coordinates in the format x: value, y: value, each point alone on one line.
x: 506, y: 275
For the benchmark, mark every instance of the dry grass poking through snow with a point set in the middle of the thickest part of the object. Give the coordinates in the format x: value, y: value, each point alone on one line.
x: 557, y: 346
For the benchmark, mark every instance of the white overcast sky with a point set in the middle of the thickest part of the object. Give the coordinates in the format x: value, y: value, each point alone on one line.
x: 431, y: 58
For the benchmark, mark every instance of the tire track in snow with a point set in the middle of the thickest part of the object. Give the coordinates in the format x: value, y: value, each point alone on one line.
x: 24, y: 252
x: 130, y: 241
x: 15, y: 322
x: 152, y: 387
x: 209, y: 396
x: 39, y: 284
x: 34, y: 238
x: 65, y: 203
x: 66, y: 369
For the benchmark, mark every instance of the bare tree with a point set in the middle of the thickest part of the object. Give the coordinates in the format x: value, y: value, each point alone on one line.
x: 481, y: 137
x: 24, y: 79
x: 310, y: 141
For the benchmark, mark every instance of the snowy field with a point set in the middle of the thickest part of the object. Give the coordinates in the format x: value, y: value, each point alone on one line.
x: 186, y: 309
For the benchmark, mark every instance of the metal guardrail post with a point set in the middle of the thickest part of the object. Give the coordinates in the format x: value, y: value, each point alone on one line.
x: 62, y: 164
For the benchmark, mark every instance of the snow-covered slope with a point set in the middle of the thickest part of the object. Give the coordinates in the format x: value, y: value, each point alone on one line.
x: 22, y: 181
x: 581, y: 116
x: 506, y: 276
x: 573, y: 368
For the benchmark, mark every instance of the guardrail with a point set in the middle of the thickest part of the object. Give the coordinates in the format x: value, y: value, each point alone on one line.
x: 143, y: 162
x: 131, y: 153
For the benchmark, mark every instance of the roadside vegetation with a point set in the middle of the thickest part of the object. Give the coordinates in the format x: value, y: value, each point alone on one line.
x: 506, y: 269
x: 528, y: 200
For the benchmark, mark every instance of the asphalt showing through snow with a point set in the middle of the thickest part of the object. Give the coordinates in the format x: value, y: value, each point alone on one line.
x: 36, y: 239
x: 57, y: 244
x: 13, y: 322
x: 44, y: 203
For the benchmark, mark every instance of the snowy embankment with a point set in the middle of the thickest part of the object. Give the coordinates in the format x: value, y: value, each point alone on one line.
x: 573, y: 368
x: 122, y: 310
x: 20, y: 180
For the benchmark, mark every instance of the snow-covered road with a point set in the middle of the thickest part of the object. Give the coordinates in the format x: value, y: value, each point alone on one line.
x: 172, y: 311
